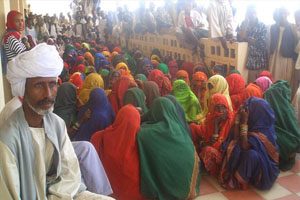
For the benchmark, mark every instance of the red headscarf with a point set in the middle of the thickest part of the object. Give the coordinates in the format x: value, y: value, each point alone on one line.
x: 237, y: 87
x: 11, y: 26
x: 118, y: 91
x: 173, y: 68
x: 77, y: 45
x: 118, y: 150
x: 267, y: 74
x: 117, y: 49
x: 79, y: 68
x: 206, y: 130
x: 76, y: 79
x: 182, y: 74
x: 164, y: 84
x: 189, y: 67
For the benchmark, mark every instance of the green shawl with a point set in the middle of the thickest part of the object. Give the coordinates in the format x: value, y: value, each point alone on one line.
x: 286, y: 125
x: 141, y: 77
x: 136, y: 97
x: 187, y: 99
x: 130, y: 63
x: 163, y: 67
x: 168, y: 161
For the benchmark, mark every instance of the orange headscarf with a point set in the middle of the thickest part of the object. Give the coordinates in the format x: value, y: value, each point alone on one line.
x: 118, y: 91
x: 90, y: 58
x: 253, y: 90
x: 197, y: 84
x: 182, y: 74
x: 118, y: 150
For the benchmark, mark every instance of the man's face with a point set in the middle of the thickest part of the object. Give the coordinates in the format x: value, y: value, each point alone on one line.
x: 19, y: 22
x: 40, y: 93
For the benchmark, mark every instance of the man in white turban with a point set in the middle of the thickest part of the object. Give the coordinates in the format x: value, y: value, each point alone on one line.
x: 37, y: 157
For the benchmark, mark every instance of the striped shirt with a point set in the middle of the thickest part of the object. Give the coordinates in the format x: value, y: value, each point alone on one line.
x: 13, y: 47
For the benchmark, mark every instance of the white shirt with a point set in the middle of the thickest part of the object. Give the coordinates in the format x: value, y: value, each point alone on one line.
x: 220, y: 18
x: 197, y: 19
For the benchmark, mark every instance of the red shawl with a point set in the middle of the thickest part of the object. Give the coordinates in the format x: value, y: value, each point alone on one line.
x: 164, y: 84
x: 237, y: 87
x: 118, y: 150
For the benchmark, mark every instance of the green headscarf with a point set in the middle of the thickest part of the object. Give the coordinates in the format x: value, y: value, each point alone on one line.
x: 163, y: 67
x: 136, y: 97
x: 187, y: 100
x: 168, y: 161
x: 141, y: 77
x: 286, y: 125
x: 130, y: 63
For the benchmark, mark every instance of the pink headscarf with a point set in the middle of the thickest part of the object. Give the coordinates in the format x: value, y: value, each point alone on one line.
x: 263, y: 82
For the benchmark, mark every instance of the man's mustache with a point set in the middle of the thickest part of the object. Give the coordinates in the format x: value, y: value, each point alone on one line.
x: 46, y: 101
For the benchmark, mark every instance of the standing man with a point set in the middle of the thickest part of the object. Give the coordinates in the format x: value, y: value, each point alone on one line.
x: 37, y: 158
x: 220, y: 18
x: 282, y: 47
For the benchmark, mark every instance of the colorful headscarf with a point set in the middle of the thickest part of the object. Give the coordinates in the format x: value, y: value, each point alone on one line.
x: 182, y: 74
x: 151, y: 91
x: 90, y: 58
x: 188, y: 67
x: 156, y: 58
x: 118, y: 49
x: 163, y: 67
x: 173, y: 68
x: 119, y: 89
x: 136, y: 97
x: 116, y: 145
x: 219, y: 85
x: 141, y: 77
x: 237, y: 87
x: 77, y: 80
x: 162, y: 81
x: 92, y: 81
x: 253, y: 90
x: 263, y: 82
x: 187, y: 99
x: 267, y: 74
x: 10, y: 23
x: 198, y: 87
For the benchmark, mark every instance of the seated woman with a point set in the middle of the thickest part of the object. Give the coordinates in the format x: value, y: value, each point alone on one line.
x: 164, y: 84
x: 65, y: 103
x: 118, y: 91
x: 210, y: 135
x: 92, y: 81
x: 216, y: 84
x: 198, y: 86
x: 151, y: 91
x: 264, y: 83
x: 237, y: 88
x: 169, y: 164
x: 253, y: 90
x: 117, y: 147
x: 101, y: 115
x: 187, y: 99
x: 286, y: 125
x: 251, y: 152
x: 182, y: 74
x: 136, y: 97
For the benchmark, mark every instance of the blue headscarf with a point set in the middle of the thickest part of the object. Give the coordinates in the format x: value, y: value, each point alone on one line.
x: 102, y: 115
x: 101, y: 62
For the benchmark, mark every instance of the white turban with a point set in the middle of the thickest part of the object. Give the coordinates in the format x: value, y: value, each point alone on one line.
x: 41, y: 61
